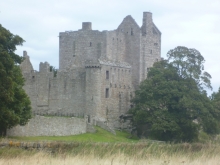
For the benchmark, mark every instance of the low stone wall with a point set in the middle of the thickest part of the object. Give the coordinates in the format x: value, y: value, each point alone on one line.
x: 50, y: 126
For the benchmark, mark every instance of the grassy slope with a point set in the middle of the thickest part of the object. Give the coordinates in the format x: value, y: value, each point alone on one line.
x: 100, y: 136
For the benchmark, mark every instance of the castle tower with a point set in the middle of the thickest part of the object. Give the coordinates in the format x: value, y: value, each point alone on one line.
x: 150, y: 45
x: 93, y: 92
x: 147, y: 24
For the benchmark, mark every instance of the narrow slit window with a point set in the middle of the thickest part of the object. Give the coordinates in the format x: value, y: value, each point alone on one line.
x: 107, y: 74
x: 88, y: 118
x: 90, y: 44
x: 107, y: 93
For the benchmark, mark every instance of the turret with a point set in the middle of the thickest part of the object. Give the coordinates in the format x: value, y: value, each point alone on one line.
x: 151, y: 44
x: 44, y: 67
x: 86, y: 26
x: 93, y: 91
x: 147, y: 23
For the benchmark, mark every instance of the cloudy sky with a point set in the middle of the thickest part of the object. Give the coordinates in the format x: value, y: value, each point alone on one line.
x: 190, y: 23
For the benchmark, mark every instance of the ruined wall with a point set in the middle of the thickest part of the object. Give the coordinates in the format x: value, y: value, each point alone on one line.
x: 50, y: 126
x: 67, y: 94
x: 63, y: 94
x: 26, y: 65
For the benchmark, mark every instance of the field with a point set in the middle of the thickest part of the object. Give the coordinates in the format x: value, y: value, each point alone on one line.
x: 103, y: 148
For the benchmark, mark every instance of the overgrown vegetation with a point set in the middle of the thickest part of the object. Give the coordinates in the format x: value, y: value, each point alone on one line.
x: 54, y: 70
x: 103, y: 147
x: 146, y: 152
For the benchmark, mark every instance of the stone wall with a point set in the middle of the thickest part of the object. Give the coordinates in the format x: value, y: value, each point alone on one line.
x: 98, y: 71
x: 50, y: 126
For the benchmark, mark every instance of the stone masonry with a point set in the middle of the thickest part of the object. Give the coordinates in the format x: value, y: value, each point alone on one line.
x: 98, y: 71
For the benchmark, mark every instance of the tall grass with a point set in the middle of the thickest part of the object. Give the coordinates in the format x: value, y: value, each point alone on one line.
x: 103, y: 148
x: 116, y: 153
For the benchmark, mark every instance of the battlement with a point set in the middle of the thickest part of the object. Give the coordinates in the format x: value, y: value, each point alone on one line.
x: 44, y: 67
x: 86, y: 26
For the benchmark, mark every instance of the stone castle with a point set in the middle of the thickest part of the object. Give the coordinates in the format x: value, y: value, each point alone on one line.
x: 98, y: 71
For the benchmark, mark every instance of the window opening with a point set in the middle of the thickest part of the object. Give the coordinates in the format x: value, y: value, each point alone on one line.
x: 90, y: 44
x: 107, y: 74
x: 107, y: 93
x: 88, y: 118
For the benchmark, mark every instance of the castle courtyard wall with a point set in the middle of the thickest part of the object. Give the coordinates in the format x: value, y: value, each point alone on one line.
x: 50, y: 126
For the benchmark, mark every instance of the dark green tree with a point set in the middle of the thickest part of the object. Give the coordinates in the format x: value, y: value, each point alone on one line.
x: 54, y: 70
x: 215, y: 97
x: 170, y: 104
x: 14, y: 103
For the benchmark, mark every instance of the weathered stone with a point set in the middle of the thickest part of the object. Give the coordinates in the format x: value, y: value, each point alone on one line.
x: 98, y: 74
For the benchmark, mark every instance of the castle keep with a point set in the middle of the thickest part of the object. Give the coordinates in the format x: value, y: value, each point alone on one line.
x: 98, y: 71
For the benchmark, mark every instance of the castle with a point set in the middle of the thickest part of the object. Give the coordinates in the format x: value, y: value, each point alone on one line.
x: 98, y: 71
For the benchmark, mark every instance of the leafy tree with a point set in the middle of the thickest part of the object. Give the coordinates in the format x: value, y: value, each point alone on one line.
x: 14, y: 103
x: 170, y: 102
x: 189, y: 63
x: 54, y: 70
x: 215, y: 99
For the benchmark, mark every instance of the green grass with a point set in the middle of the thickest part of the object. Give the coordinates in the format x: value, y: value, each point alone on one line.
x: 100, y: 136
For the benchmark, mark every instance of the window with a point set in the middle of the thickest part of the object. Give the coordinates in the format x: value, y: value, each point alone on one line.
x: 107, y: 74
x: 155, y: 44
x: 107, y: 93
x: 88, y: 118
x: 132, y: 31
x: 151, y: 51
x: 90, y: 44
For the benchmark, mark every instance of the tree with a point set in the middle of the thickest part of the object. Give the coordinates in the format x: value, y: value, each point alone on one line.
x: 189, y: 63
x: 170, y: 102
x: 54, y: 70
x: 14, y: 103
x: 215, y: 99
